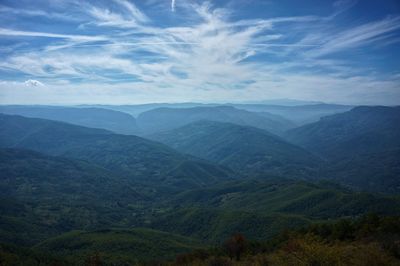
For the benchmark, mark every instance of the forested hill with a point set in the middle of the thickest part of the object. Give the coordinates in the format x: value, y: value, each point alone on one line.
x: 249, y: 150
x: 361, y: 147
x: 362, y: 130
x: 128, y: 156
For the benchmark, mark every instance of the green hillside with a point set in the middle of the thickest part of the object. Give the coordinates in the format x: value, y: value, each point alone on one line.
x: 249, y: 150
x: 128, y: 156
x: 368, y: 240
x: 43, y: 196
x: 374, y: 172
x: 213, y: 225
x: 315, y: 200
x: 117, y: 246
x: 362, y: 130
x: 260, y: 209
x: 361, y: 147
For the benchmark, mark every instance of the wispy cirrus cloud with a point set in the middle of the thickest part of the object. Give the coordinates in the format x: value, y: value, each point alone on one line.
x: 19, y: 33
x: 366, y: 34
x: 211, y: 56
x: 126, y: 16
x: 33, y: 12
x: 134, y: 12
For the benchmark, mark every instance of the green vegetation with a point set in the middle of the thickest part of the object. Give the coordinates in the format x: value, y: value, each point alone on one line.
x: 72, y: 195
x: 261, y: 209
x: 317, y: 200
x: 108, y: 246
x: 362, y: 130
x: 249, y: 150
x: 43, y: 196
x: 361, y: 147
x: 213, y: 225
x: 14, y: 255
x: 117, y: 247
x: 374, y: 172
x: 370, y: 240
x: 129, y: 156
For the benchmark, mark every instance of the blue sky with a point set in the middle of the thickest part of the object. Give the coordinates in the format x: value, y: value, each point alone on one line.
x: 127, y: 52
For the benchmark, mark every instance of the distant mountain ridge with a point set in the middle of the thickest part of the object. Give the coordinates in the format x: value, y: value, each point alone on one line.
x: 298, y: 114
x: 282, y: 102
x: 163, y: 119
x: 137, y: 109
x: 115, y: 121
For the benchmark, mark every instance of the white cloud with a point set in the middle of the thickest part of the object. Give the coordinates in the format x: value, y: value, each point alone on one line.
x: 33, y: 83
x: 127, y: 15
x: 105, y: 17
x: 210, y: 58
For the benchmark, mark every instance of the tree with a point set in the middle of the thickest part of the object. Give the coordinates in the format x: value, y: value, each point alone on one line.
x: 235, y: 246
x: 94, y: 260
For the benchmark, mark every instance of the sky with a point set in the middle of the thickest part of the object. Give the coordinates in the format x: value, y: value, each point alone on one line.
x: 142, y: 51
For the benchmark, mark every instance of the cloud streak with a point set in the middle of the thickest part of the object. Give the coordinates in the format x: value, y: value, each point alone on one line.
x: 362, y: 35
x: 18, y: 33
x: 173, y: 5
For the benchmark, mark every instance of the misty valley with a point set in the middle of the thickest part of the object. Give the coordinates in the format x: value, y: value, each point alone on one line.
x: 228, y: 184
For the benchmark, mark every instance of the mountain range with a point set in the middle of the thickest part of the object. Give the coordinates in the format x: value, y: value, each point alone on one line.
x: 163, y: 119
x: 69, y: 190
x: 361, y: 146
x: 125, y: 155
x: 115, y: 121
x: 297, y: 112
